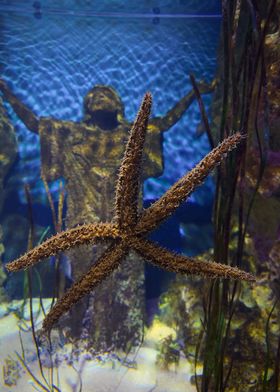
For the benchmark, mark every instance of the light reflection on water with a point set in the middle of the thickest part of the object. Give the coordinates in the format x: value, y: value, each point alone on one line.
x: 51, y: 64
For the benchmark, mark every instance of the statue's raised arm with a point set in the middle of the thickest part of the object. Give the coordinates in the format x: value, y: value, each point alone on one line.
x: 24, y: 113
x: 173, y: 115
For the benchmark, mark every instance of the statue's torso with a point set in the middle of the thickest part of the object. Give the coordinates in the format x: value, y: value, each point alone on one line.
x: 88, y: 158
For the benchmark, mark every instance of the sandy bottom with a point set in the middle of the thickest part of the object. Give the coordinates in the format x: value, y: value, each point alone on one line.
x: 103, y: 374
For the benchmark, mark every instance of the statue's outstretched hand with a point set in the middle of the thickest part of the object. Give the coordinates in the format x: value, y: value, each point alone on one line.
x: 205, y: 87
x: 24, y: 113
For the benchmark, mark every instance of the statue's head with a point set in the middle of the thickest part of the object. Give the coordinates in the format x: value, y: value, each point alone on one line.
x: 103, y: 107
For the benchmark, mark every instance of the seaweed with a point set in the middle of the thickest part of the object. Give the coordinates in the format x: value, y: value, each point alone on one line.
x: 45, y: 385
x: 242, y: 83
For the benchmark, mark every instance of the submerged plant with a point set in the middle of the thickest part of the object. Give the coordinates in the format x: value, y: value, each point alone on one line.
x: 129, y: 227
x: 242, y: 106
x: 169, y: 353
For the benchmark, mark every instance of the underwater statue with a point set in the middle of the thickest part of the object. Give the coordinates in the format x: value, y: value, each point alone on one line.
x: 88, y: 155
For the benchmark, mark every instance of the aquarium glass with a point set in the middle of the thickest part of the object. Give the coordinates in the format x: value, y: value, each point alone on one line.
x: 51, y: 55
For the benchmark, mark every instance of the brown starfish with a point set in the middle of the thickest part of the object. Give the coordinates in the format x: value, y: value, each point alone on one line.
x: 128, y: 229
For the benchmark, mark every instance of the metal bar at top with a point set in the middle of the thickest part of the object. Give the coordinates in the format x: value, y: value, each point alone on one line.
x: 89, y: 13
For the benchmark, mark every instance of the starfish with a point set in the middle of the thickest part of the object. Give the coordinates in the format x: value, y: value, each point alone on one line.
x: 129, y: 227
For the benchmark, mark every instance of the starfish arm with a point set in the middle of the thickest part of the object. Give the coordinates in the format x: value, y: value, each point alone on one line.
x: 167, y: 204
x: 60, y: 242
x: 128, y: 183
x: 104, y: 266
x: 187, y: 265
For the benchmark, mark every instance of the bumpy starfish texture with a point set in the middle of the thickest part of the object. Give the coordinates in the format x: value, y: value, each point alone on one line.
x: 129, y: 227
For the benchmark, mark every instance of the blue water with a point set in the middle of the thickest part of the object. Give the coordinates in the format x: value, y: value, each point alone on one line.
x: 51, y: 62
